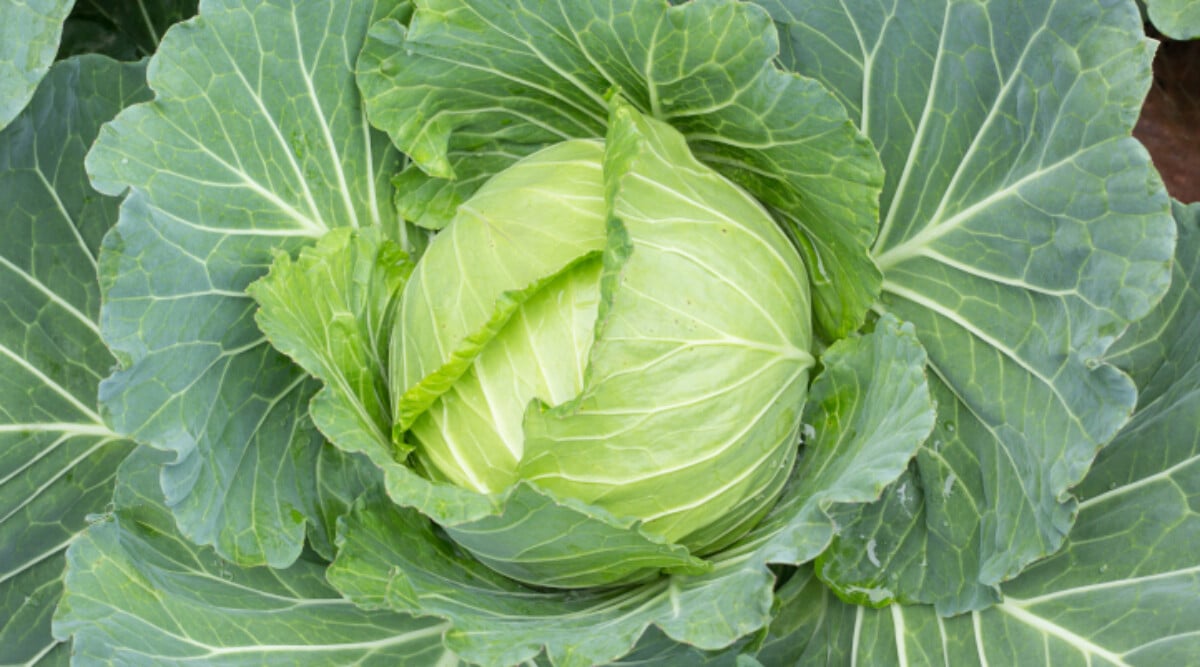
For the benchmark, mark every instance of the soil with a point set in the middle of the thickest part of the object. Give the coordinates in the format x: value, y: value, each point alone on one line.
x: 1169, y: 126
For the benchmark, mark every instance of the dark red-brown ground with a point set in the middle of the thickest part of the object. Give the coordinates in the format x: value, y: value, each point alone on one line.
x: 1170, y: 121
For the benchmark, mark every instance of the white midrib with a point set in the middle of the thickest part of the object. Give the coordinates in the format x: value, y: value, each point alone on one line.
x: 596, y: 98
x: 941, y: 622
x: 1145, y: 481
x: 867, y: 64
x: 375, y: 645
x: 62, y: 210
x: 330, y: 145
x: 54, y: 386
x: 1103, y: 586
x: 310, y: 226
x: 313, y: 224
x: 1081, y: 644
x: 936, y: 227
x: 857, y: 637
x: 901, y: 633
x: 885, y: 229
x: 393, y: 640
x: 977, y: 626
x: 31, y: 496
x: 49, y: 294
x: 914, y: 246
x: 372, y: 172
x: 30, y: 563
x: 154, y: 34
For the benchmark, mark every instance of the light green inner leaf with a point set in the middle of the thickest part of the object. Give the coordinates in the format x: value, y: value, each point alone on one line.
x: 518, y: 233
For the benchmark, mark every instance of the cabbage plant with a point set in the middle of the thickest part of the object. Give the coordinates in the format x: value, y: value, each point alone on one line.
x: 600, y: 332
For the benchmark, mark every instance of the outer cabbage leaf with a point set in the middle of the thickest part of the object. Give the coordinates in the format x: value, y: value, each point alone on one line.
x: 811, y: 626
x: 57, y: 456
x: 1125, y: 588
x: 873, y: 386
x: 472, y: 87
x: 255, y: 143
x: 1022, y: 230
x: 1158, y: 350
x: 656, y: 649
x: 1177, y: 19
x: 29, y: 35
x: 138, y: 593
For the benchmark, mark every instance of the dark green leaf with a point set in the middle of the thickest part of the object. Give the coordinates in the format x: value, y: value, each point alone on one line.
x: 138, y: 593
x: 1022, y: 230
x: 255, y: 143
x: 1124, y: 589
x: 57, y: 456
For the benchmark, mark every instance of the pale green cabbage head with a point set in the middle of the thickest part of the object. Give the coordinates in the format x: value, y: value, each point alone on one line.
x: 618, y: 324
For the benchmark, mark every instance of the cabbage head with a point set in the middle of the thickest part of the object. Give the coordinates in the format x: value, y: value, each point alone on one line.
x: 618, y: 324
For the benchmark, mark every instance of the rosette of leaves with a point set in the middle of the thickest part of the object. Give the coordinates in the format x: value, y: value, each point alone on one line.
x: 600, y: 363
x: 1021, y: 233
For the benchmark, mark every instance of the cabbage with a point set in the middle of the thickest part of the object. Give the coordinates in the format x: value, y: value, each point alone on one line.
x: 665, y: 376
x: 635, y: 332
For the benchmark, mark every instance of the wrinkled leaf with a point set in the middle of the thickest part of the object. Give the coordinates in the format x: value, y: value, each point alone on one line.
x: 138, y: 593
x: 1022, y: 229
x: 1124, y: 589
x: 57, y: 456
x: 389, y: 557
x: 472, y: 87
x: 255, y: 143
x: 331, y: 311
